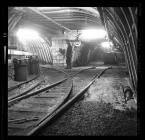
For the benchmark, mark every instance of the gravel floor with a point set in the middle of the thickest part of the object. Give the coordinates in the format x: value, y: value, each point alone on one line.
x: 101, y: 112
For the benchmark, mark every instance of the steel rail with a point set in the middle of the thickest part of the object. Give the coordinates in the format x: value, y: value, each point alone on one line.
x: 25, y: 95
x: 20, y: 121
x: 65, y: 97
x: 48, y: 118
x: 58, y: 69
x: 26, y: 91
x: 56, y: 108
x: 35, y: 92
x: 16, y: 86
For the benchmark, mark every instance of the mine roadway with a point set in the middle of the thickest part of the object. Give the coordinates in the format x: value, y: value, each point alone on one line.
x: 71, y: 71
x: 34, y: 108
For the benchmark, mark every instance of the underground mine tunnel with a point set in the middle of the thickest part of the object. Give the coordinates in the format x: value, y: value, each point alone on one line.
x: 72, y: 71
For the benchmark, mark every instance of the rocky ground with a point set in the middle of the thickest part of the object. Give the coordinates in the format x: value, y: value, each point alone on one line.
x: 101, y: 112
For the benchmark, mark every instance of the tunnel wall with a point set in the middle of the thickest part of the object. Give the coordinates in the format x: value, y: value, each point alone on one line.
x: 89, y: 54
x: 80, y: 55
x: 121, y: 23
x: 40, y: 47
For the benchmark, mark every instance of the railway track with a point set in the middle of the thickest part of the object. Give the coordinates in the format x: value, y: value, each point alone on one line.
x: 29, y: 85
x: 29, y: 112
x: 37, y: 87
x: 21, y: 84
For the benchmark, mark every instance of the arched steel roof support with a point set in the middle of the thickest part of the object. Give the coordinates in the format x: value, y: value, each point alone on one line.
x: 131, y: 35
x: 125, y: 48
x: 13, y: 22
x: 133, y: 56
x: 129, y: 52
x: 134, y: 24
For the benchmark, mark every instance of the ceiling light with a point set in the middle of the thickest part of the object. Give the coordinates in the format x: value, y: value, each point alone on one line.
x: 106, y: 44
x: 77, y: 43
x: 91, y: 34
x: 25, y: 34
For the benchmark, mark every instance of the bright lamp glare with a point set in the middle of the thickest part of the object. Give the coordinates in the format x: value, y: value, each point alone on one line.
x: 106, y: 44
x: 93, y: 34
x: 27, y: 35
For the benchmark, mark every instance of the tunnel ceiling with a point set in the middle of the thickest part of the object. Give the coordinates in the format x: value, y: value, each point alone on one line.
x: 57, y: 19
x: 52, y: 22
x: 71, y: 18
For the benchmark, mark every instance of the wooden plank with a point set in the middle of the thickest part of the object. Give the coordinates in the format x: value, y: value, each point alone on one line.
x: 21, y: 126
x: 50, y: 96
x: 22, y: 120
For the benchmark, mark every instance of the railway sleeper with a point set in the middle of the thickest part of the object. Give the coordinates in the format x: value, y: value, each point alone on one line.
x: 26, y: 91
x: 22, y: 120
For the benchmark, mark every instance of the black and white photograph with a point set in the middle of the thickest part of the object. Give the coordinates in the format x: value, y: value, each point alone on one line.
x: 72, y: 71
